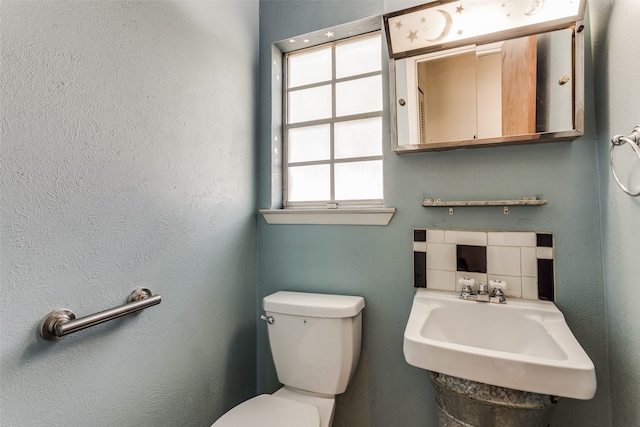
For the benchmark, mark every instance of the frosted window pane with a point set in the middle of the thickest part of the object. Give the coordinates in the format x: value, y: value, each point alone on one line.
x: 358, y: 138
x: 359, y: 96
x: 310, y: 104
x: 358, y: 180
x: 309, y: 67
x: 309, y: 143
x: 358, y: 57
x: 308, y: 183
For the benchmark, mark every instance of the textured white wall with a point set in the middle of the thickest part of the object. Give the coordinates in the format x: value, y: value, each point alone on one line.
x: 615, y: 43
x: 128, y: 133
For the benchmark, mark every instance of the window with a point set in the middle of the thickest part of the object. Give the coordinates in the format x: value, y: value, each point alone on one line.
x: 327, y: 127
x: 333, y: 124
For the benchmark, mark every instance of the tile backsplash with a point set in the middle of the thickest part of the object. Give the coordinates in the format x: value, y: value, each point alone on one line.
x: 524, y: 260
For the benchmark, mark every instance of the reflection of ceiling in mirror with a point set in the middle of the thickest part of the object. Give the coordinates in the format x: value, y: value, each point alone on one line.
x: 460, y: 20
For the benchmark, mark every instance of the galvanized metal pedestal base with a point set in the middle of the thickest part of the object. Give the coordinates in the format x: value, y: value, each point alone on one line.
x: 464, y: 403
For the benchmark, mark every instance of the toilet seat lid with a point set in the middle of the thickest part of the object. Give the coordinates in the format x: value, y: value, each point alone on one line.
x: 270, y: 411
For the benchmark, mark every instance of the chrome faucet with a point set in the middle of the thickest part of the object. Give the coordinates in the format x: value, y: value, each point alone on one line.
x: 483, y: 292
x: 493, y: 292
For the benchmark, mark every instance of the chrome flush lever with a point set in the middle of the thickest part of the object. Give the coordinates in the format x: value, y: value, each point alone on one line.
x: 269, y: 319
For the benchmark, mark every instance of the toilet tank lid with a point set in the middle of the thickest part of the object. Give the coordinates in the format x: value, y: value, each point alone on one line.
x: 313, y: 305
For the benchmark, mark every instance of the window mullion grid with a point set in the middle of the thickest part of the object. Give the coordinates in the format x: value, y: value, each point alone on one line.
x: 336, y: 80
x: 331, y: 132
x: 332, y: 160
x: 348, y: 118
x: 344, y: 160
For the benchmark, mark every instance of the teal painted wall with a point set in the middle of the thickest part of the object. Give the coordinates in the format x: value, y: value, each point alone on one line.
x: 126, y: 164
x: 376, y: 262
x: 128, y: 160
x: 617, y: 88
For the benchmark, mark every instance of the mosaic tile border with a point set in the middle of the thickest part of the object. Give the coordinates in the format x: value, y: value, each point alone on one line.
x: 525, y: 260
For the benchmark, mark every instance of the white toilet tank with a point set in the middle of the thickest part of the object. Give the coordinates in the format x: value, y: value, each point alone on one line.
x: 315, y: 339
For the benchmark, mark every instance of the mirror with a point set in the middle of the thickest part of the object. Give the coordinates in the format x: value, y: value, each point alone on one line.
x: 517, y: 89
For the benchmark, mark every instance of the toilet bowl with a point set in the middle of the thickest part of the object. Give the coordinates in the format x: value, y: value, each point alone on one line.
x: 315, y: 341
x: 271, y: 411
x: 284, y: 408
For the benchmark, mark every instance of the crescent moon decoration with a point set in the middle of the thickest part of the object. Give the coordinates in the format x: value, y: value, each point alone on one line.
x: 535, y: 7
x: 447, y: 27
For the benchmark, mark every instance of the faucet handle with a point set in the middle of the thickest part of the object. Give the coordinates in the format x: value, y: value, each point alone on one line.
x: 497, y: 286
x: 497, y: 293
x: 467, y: 287
x: 467, y: 284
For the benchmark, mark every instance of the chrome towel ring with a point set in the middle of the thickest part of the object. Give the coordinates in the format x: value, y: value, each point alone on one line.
x: 634, y: 141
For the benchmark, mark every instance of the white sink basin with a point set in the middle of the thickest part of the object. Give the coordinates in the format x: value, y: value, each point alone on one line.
x: 524, y: 345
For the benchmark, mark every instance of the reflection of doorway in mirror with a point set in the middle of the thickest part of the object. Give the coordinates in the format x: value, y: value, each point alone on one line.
x: 489, y: 96
x: 496, y: 92
x: 450, y: 96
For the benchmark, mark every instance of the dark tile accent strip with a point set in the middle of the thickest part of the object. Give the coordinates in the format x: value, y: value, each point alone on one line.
x: 544, y: 239
x: 471, y: 258
x: 546, y: 288
x: 419, y: 235
x: 419, y: 269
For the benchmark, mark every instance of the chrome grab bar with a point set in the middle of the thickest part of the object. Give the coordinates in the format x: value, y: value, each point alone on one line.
x: 63, y: 322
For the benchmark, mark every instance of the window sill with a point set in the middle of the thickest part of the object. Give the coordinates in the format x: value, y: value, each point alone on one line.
x: 376, y: 216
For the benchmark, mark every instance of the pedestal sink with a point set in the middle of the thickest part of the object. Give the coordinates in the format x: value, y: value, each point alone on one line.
x: 523, y: 345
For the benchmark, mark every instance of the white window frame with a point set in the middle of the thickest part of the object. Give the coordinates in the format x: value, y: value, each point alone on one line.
x: 332, y: 203
x: 360, y: 213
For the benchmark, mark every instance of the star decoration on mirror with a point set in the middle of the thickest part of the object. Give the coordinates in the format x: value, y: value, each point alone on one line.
x: 536, y: 7
x: 398, y: 24
x: 459, y: 9
x: 413, y: 35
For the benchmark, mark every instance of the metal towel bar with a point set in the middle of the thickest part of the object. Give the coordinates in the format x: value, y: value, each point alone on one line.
x: 63, y: 322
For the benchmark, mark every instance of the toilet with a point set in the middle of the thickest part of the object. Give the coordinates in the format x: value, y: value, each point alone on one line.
x: 315, y: 342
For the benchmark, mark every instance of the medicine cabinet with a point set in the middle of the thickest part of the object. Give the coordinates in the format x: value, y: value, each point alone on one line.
x: 481, y: 73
